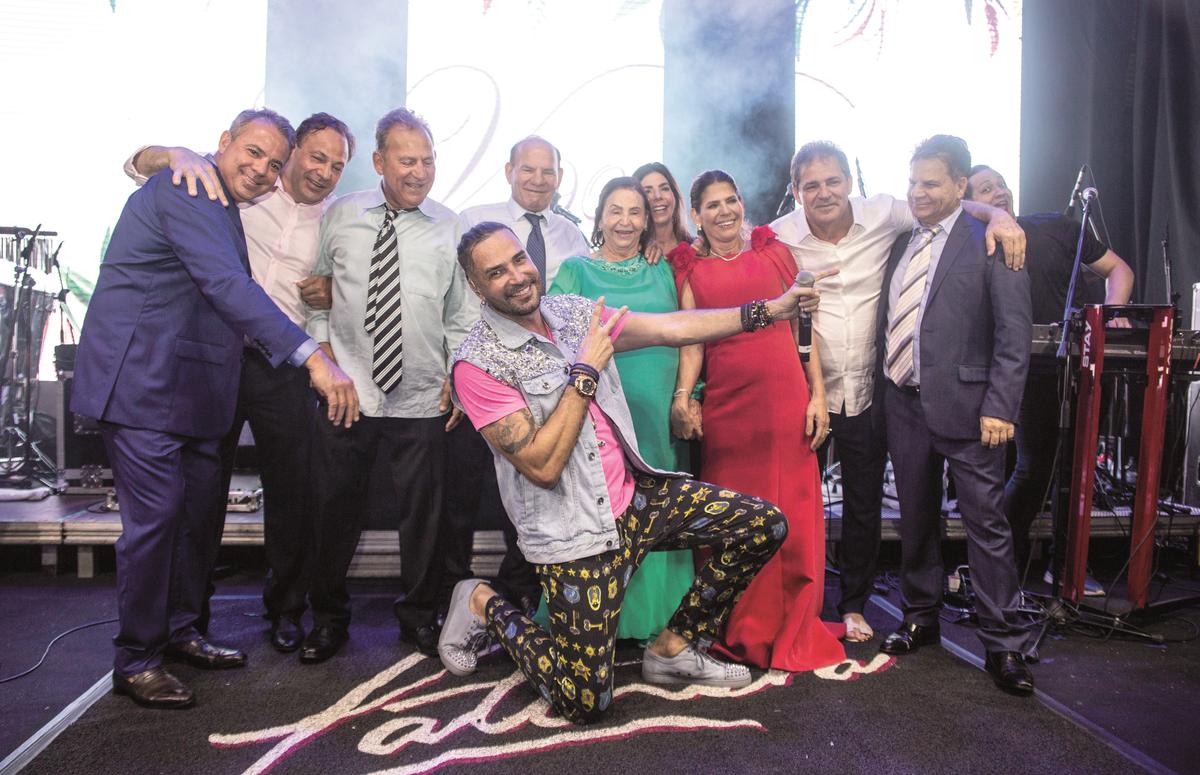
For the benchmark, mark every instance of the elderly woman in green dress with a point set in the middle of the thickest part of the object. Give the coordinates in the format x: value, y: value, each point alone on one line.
x: 617, y: 270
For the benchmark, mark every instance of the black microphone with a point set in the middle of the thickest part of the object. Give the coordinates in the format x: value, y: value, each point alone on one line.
x: 805, y: 279
x: 1074, y: 200
x: 564, y: 212
x: 27, y: 251
x: 555, y: 207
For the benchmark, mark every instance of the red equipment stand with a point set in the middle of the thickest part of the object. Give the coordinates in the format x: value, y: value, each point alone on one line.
x: 1087, y: 423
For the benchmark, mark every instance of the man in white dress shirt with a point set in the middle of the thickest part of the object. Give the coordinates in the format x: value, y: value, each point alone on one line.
x: 281, y: 237
x: 832, y: 229
x: 534, y: 170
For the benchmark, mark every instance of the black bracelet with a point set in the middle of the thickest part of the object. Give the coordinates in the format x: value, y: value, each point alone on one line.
x: 583, y: 368
x: 755, y: 316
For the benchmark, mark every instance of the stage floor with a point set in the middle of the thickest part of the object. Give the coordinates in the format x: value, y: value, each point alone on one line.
x: 1104, y: 705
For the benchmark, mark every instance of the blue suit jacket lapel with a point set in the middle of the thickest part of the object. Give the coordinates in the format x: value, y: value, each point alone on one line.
x: 950, y: 253
x: 235, y: 215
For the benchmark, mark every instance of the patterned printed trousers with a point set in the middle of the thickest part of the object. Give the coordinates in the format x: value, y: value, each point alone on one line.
x: 571, y: 666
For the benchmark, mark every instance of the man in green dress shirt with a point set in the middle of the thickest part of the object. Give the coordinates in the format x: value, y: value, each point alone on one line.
x: 400, y: 307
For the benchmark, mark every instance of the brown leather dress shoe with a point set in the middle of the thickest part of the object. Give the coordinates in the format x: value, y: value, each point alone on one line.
x: 911, y: 637
x: 204, y: 655
x: 1009, y: 671
x: 154, y: 688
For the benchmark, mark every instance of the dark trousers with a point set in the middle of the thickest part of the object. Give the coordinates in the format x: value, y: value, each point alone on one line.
x: 168, y: 487
x: 918, y: 456
x: 862, y: 451
x: 415, y: 449
x: 571, y: 665
x: 1036, y: 439
x: 473, y: 473
x: 280, y: 407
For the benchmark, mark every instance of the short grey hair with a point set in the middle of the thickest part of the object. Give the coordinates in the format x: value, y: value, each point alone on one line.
x: 266, y: 115
x: 402, y: 117
x: 534, y: 140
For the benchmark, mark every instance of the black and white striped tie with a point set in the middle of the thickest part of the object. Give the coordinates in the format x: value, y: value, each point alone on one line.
x: 383, y: 307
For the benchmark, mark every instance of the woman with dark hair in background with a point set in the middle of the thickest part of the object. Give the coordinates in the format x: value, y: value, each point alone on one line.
x: 668, y: 228
x: 764, y: 415
x: 618, y: 271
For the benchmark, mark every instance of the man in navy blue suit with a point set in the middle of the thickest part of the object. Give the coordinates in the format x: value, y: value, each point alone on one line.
x: 158, y: 364
x: 954, y: 333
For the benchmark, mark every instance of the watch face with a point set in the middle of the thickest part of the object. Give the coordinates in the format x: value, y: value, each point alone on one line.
x: 585, y: 385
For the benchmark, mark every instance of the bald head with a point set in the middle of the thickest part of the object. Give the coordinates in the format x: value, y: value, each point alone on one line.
x: 534, y: 172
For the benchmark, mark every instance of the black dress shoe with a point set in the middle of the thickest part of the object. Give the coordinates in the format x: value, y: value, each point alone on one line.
x: 202, y: 654
x: 1009, y: 671
x: 911, y: 637
x: 423, y: 638
x: 154, y: 688
x: 321, y: 644
x: 286, y: 635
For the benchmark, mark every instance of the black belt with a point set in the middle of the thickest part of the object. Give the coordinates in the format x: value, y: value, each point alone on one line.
x: 908, y: 390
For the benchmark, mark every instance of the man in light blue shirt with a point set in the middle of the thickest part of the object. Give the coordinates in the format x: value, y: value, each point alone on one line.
x: 400, y: 308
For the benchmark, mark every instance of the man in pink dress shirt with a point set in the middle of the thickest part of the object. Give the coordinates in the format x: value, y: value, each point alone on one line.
x: 282, y: 229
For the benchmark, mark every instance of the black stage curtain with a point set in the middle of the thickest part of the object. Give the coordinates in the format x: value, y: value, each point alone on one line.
x: 1116, y: 84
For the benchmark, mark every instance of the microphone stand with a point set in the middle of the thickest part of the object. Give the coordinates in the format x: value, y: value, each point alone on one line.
x: 16, y: 424
x: 1172, y: 296
x: 787, y: 203
x: 1060, y: 487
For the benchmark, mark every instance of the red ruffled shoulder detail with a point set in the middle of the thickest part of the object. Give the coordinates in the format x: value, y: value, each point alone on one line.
x: 682, y: 260
x: 762, y: 236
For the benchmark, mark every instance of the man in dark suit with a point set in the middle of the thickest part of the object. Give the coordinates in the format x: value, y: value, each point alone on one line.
x: 158, y: 364
x: 954, y: 333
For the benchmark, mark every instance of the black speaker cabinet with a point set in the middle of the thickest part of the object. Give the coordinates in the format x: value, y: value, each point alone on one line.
x: 82, y: 460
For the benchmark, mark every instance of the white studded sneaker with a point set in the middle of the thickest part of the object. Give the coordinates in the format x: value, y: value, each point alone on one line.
x: 691, y: 666
x: 464, y: 635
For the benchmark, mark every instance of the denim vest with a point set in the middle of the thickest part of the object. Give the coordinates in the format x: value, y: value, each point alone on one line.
x: 574, y: 519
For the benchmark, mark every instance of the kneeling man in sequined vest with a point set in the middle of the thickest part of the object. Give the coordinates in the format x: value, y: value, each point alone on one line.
x: 535, y: 376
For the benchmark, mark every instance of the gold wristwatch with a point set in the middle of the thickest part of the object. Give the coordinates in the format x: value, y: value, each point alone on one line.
x: 584, y: 385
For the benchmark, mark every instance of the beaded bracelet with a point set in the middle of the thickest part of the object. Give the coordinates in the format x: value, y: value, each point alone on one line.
x: 755, y: 316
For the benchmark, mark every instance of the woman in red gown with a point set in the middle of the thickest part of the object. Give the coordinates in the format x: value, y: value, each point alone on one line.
x: 759, y: 428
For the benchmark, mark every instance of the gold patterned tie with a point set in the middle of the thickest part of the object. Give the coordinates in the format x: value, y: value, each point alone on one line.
x: 903, y: 326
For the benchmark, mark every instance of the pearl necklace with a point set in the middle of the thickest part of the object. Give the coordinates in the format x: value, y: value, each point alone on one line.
x: 714, y: 254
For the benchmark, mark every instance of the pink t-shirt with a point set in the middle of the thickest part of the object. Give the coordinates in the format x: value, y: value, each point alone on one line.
x: 487, y: 399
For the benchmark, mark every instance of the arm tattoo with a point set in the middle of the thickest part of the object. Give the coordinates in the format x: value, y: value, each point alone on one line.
x: 513, y: 433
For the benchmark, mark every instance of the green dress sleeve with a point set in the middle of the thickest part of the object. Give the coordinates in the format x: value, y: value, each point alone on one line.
x: 569, y: 278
